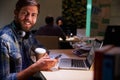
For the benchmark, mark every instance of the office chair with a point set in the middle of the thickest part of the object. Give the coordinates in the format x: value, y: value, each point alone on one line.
x: 50, y: 42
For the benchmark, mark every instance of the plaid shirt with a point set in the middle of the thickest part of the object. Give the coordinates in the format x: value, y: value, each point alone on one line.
x: 14, y: 55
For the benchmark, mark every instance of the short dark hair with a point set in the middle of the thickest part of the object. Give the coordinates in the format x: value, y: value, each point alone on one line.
x: 49, y: 19
x: 22, y: 3
x: 60, y: 18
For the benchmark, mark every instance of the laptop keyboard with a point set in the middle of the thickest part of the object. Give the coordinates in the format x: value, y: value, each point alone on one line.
x: 77, y: 63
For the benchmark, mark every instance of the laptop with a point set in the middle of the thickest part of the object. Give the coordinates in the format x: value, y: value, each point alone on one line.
x: 112, y: 35
x: 84, y: 64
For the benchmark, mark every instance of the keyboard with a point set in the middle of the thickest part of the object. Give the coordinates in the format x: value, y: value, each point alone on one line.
x: 77, y: 63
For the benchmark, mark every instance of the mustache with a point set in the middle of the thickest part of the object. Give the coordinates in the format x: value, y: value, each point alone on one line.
x: 27, y: 21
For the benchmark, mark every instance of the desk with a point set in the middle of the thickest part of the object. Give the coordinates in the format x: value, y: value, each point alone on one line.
x: 68, y: 74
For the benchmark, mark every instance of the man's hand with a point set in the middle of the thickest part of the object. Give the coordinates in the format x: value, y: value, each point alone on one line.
x: 45, y: 63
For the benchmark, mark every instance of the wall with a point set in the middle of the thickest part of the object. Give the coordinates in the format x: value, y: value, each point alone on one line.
x: 49, y: 7
x: 100, y: 17
x: 115, y: 12
x: 6, y: 11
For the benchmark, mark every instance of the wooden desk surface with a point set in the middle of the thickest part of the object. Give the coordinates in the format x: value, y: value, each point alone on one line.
x: 68, y: 74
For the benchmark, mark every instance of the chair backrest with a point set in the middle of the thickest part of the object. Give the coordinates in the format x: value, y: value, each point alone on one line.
x: 50, y: 42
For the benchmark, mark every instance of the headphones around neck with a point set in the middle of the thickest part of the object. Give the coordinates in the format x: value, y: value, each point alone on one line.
x: 23, y: 34
x: 20, y: 32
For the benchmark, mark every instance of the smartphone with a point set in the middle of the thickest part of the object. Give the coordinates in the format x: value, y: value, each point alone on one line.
x: 58, y: 56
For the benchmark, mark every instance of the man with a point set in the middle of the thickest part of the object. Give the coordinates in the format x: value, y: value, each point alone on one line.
x: 17, y: 44
x: 50, y: 29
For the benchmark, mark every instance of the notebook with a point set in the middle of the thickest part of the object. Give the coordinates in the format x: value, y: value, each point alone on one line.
x: 84, y: 64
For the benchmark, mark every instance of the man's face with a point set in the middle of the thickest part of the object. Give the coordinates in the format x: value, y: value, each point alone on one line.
x: 27, y: 17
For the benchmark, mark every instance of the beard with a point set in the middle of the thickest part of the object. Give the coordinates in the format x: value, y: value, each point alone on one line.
x: 22, y: 24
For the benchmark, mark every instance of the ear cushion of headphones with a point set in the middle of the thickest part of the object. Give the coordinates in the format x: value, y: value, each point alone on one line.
x: 22, y: 33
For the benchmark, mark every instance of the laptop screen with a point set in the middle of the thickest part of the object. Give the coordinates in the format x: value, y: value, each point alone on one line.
x: 90, y: 57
